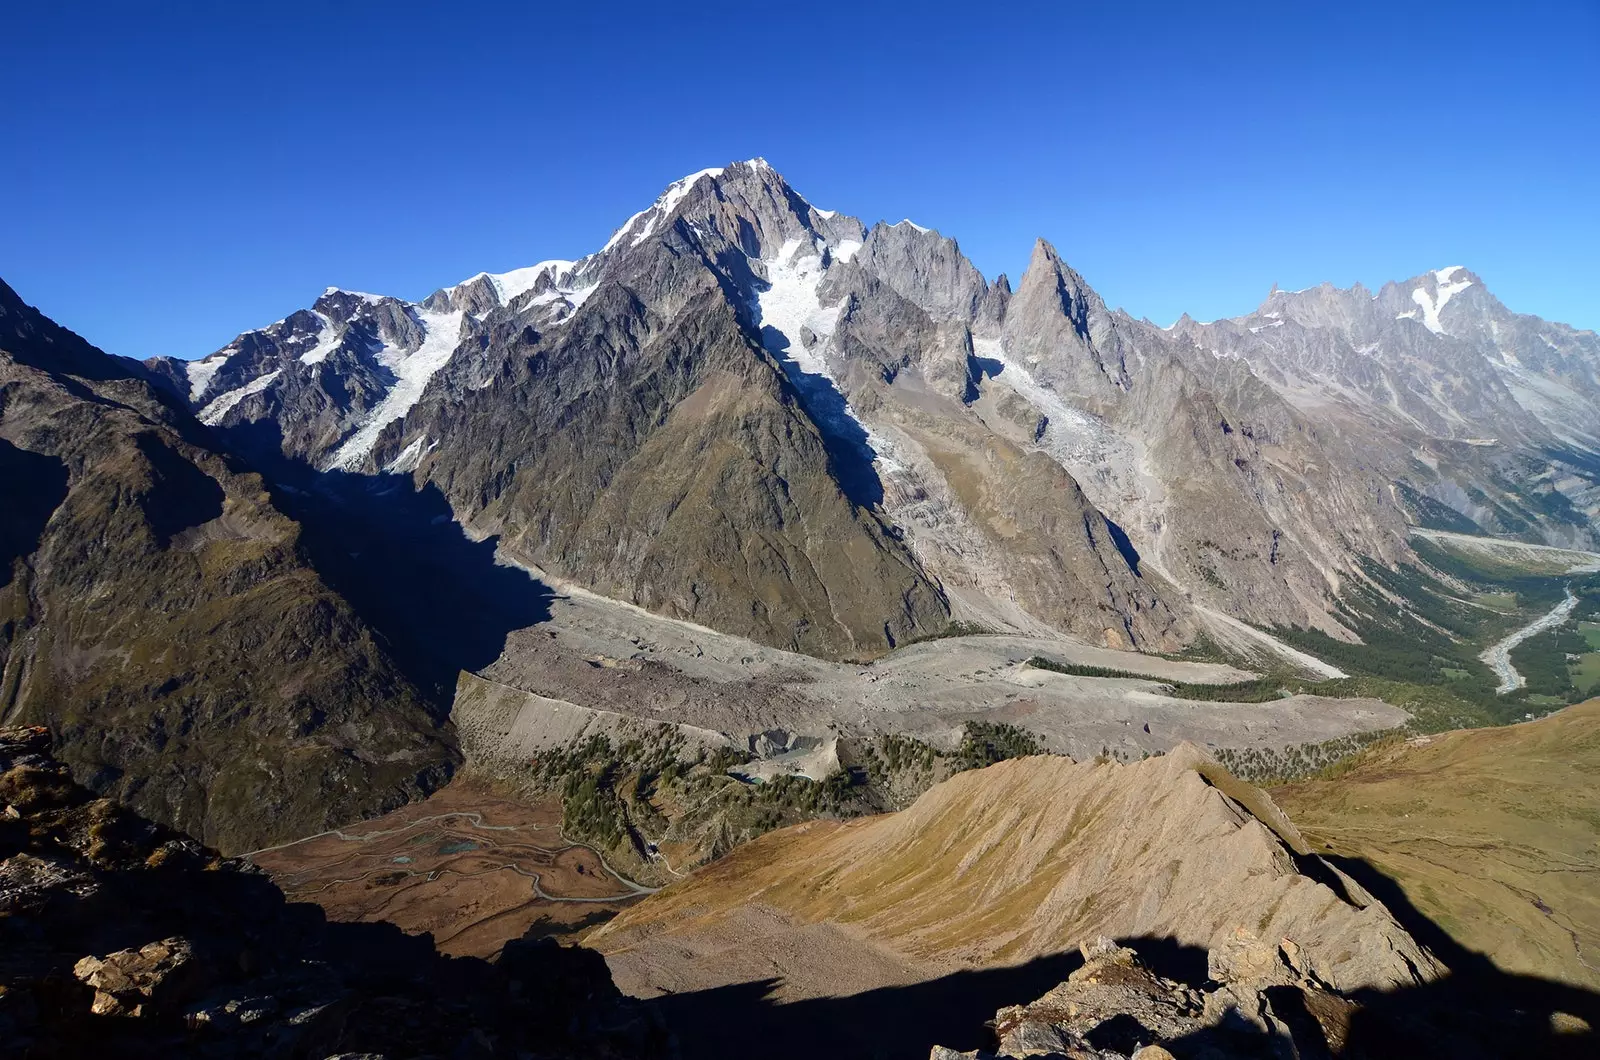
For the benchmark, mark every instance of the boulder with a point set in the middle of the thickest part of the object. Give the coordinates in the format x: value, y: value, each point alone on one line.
x: 157, y: 977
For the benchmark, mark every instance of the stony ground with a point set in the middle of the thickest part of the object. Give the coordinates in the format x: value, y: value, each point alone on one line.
x: 605, y: 655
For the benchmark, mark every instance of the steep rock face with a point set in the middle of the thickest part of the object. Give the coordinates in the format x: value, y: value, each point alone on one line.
x: 1002, y: 864
x: 996, y: 519
x: 771, y: 506
x: 925, y: 269
x: 680, y: 474
x: 1222, y: 486
x: 161, y: 619
x: 1056, y: 322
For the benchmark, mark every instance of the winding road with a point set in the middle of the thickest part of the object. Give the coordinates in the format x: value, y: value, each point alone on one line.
x: 476, y: 821
x: 1499, y: 656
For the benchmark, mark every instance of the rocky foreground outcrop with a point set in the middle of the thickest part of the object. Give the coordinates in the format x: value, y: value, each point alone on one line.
x: 1258, y: 1000
x: 121, y: 938
x: 1261, y: 1001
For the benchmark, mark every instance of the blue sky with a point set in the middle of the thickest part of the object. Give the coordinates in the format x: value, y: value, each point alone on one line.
x: 174, y: 177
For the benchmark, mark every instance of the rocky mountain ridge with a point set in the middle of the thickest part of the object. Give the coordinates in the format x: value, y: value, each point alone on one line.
x: 1488, y: 412
x: 1235, y: 937
x: 1019, y: 459
x: 1013, y: 862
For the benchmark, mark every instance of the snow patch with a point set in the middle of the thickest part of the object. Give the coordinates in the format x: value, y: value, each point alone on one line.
x: 442, y: 333
x: 788, y: 306
x: 1433, y: 305
x: 1258, y: 329
x: 411, y: 456
x: 846, y: 249
x: 508, y: 285
x: 790, y: 303
x: 370, y: 299
x: 826, y: 214
x: 212, y: 414
x: 200, y: 373
x: 908, y: 221
x: 327, y: 342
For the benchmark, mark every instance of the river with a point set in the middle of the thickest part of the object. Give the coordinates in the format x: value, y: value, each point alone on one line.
x: 1499, y: 656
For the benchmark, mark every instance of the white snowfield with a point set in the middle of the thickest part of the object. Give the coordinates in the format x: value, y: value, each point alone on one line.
x: 663, y: 206
x: 212, y: 414
x: 200, y: 373
x: 789, y: 306
x: 327, y: 342
x: 508, y: 285
x: 1431, y: 306
x: 790, y: 303
x: 442, y: 333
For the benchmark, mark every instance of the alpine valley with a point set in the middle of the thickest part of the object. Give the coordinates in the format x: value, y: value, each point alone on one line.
x: 760, y: 519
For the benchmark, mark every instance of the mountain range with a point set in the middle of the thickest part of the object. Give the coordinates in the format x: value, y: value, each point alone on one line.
x: 777, y: 421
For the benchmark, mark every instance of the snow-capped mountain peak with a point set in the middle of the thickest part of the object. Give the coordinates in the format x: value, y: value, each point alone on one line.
x: 644, y: 223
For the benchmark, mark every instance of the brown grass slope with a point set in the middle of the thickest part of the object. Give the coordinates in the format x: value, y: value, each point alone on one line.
x: 1028, y: 857
x: 1494, y: 834
x: 158, y: 613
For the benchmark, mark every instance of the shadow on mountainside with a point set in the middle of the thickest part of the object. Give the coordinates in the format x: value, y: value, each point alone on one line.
x: 892, y: 1023
x: 1477, y: 1007
x: 35, y: 487
x: 849, y: 448
x: 1475, y: 1012
x: 397, y: 555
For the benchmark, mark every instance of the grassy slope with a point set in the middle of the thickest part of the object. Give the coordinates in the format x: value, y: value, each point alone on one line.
x: 1494, y: 834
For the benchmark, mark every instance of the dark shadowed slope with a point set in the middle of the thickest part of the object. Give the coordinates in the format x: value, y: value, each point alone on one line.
x: 161, y: 616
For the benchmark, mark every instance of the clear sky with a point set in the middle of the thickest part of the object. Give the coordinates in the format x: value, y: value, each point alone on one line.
x: 173, y: 177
